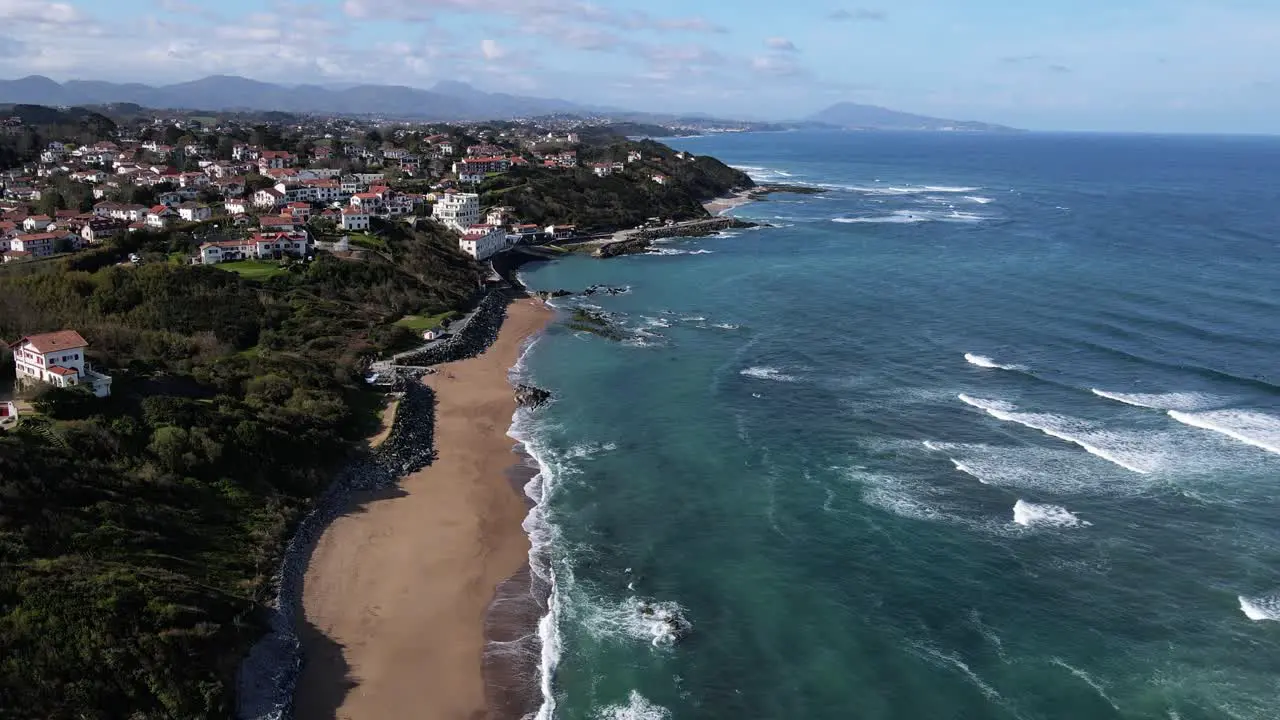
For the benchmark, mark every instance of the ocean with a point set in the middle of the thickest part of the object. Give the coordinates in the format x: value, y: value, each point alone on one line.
x: 989, y: 430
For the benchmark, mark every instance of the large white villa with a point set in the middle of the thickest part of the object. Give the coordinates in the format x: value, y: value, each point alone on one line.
x: 57, y: 359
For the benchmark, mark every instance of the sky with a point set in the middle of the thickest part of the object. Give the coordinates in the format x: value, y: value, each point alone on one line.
x: 1100, y: 65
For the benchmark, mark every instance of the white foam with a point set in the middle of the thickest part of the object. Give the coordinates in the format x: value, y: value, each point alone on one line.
x: 678, y: 251
x: 962, y: 467
x: 637, y: 708
x: 1128, y: 454
x: 767, y: 373
x: 979, y: 199
x: 1034, y: 515
x: 905, y: 217
x: 656, y: 322
x: 586, y: 450
x: 725, y: 326
x: 1249, y: 427
x: 1087, y: 679
x: 983, y: 361
x: 901, y: 189
x: 1261, y: 608
x: 1163, y: 401
x: 988, y: 405
x: 945, y: 659
x: 625, y: 619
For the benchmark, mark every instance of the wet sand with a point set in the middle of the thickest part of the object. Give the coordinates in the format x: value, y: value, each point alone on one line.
x: 397, y: 590
x: 723, y: 204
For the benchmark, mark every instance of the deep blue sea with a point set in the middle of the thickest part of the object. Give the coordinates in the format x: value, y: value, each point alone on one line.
x: 989, y: 430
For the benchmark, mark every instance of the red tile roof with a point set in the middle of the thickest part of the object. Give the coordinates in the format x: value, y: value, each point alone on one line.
x: 59, y: 370
x: 54, y: 341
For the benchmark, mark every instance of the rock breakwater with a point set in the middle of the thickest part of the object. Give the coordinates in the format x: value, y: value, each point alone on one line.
x: 268, y: 676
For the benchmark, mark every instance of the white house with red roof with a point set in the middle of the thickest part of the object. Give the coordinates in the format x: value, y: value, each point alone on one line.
x: 483, y: 241
x: 160, y: 217
x: 275, y: 159
x: 57, y: 359
x: 268, y: 198
x: 353, y: 218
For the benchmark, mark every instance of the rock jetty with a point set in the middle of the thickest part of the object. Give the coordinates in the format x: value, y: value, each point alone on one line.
x: 637, y: 241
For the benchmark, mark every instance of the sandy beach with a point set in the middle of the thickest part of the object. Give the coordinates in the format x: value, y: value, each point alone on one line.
x: 397, y: 590
x: 723, y: 204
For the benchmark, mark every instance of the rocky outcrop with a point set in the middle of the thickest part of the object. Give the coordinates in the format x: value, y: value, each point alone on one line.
x: 551, y: 294
x: 630, y: 246
x: 605, y: 290
x: 638, y: 241
x: 528, y: 396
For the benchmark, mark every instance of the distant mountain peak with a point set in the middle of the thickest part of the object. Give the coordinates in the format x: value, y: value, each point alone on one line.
x: 852, y: 115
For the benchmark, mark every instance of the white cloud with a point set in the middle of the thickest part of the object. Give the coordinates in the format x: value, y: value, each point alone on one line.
x: 776, y: 65
x: 492, y: 50
x: 860, y: 14
x: 39, y: 13
x: 526, y: 10
x: 780, y: 44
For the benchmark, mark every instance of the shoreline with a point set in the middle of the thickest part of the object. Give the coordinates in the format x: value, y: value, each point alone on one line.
x: 403, y: 590
x: 723, y: 205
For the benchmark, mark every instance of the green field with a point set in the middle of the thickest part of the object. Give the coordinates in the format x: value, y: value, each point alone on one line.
x: 419, y: 323
x: 367, y: 241
x: 253, y: 269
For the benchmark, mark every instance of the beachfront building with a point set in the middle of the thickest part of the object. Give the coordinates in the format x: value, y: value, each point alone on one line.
x: 483, y: 241
x: 57, y: 359
x: 457, y: 211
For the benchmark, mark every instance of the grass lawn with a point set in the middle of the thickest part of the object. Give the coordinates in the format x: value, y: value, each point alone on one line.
x: 370, y: 242
x: 253, y: 269
x: 419, y: 323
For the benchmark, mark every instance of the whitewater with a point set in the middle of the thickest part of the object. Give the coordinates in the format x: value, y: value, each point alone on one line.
x: 1026, y: 462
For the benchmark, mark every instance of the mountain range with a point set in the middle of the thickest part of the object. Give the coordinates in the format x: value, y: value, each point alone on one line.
x: 446, y: 101
x: 852, y: 116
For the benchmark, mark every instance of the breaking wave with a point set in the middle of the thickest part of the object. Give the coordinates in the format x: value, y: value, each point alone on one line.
x: 637, y: 708
x: 896, y: 190
x: 1163, y: 401
x: 1034, y: 515
x: 1112, y: 447
x: 1261, y: 608
x: 677, y: 251
x: 906, y: 217
x: 983, y: 361
x: 767, y: 373
x: 1249, y: 427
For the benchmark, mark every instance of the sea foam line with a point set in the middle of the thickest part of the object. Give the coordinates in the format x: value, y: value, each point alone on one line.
x: 983, y: 361
x: 1188, y: 401
x: 1050, y: 425
x: 1251, y: 428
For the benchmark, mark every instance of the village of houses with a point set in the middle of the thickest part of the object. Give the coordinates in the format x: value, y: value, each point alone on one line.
x: 272, y: 221
x: 269, y: 223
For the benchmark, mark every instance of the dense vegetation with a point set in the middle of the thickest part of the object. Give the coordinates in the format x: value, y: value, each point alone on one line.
x: 621, y: 200
x: 42, y: 124
x: 138, y: 533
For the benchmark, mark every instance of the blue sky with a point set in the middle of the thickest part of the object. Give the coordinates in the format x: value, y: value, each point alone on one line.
x: 1115, y: 65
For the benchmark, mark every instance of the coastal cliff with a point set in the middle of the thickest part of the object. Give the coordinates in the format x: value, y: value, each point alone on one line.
x: 627, y: 196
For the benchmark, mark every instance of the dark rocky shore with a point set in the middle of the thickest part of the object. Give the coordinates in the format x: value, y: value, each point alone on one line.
x: 268, y: 676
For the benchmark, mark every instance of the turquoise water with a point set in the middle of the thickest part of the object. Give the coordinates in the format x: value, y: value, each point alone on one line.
x: 989, y: 430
